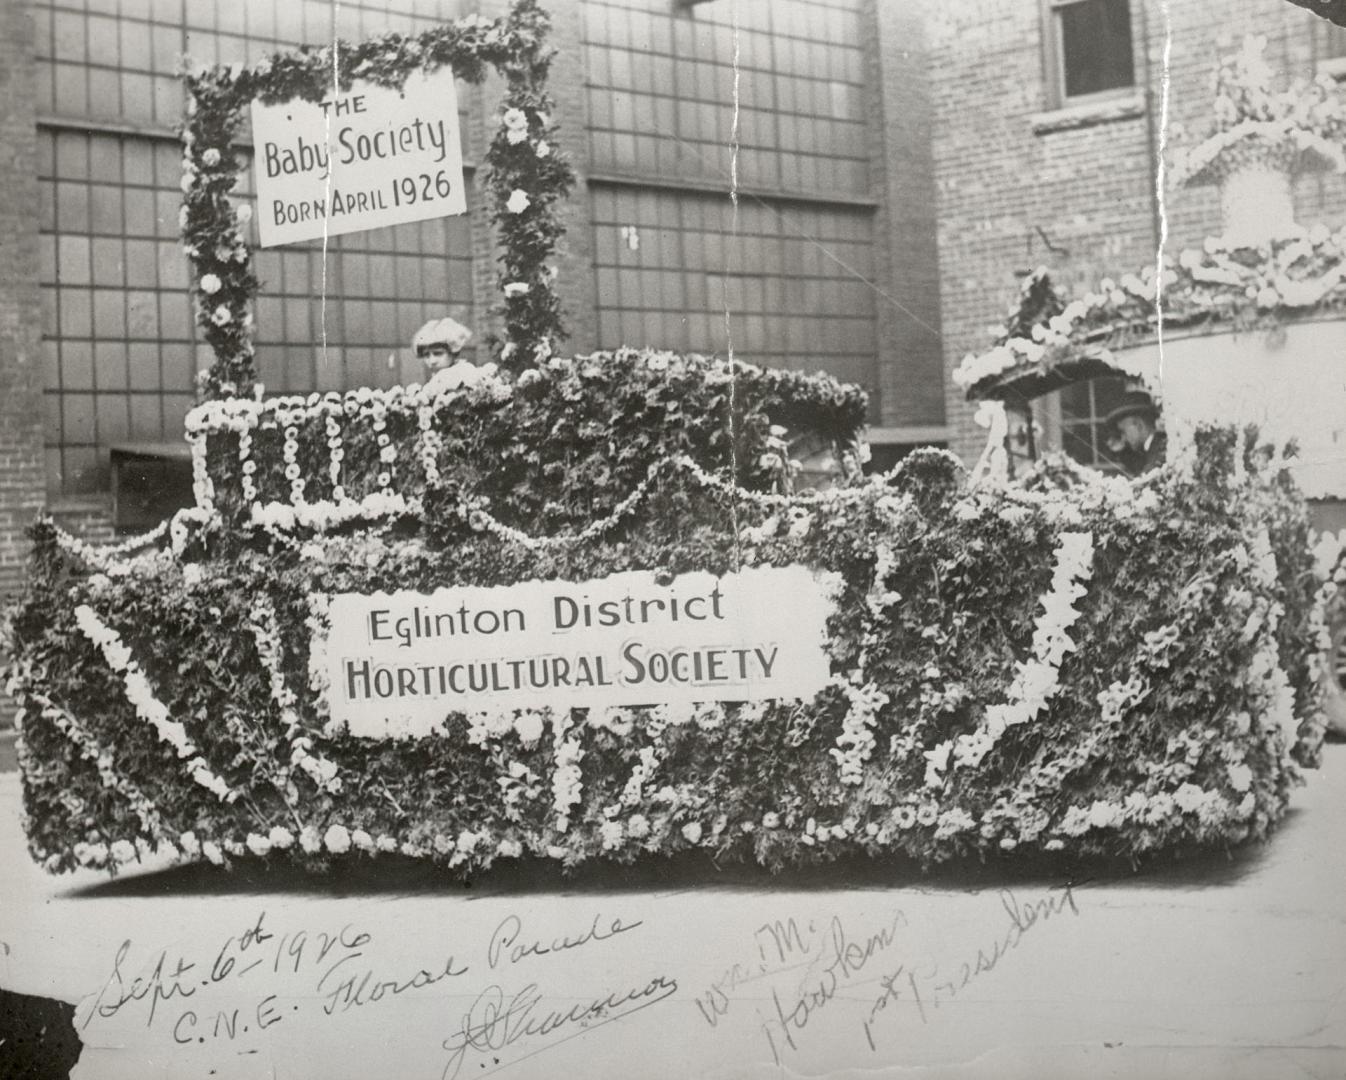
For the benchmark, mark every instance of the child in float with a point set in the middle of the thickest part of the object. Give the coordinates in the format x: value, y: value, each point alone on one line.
x: 438, y: 344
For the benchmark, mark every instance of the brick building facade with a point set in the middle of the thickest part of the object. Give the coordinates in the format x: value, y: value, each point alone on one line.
x: 1028, y: 176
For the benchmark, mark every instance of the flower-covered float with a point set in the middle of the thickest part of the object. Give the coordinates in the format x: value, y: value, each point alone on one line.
x: 1073, y: 663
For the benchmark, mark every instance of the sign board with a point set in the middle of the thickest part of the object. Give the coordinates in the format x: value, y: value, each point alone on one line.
x: 361, y: 160
x: 398, y: 663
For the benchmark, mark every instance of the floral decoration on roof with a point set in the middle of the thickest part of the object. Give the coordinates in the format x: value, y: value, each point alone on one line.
x: 1254, y: 121
x: 1218, y: 286
x: 1262, y: 269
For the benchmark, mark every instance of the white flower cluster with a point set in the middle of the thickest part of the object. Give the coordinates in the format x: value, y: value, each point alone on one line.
x: 640, y: 776
x: 1255, y: 123
x: 147, y: 706
x: 430, y: 444
x: 247, y: 467
x: 203, y: 488
x: 855, y: 744
x: 1119, y: 698
x: 1037, y: 678
x: 327, y: 515
x: 567, y: 784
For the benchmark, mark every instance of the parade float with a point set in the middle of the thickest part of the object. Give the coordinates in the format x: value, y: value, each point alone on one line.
x: 569, y: 608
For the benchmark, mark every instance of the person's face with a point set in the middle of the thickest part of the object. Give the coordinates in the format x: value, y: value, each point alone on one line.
x: 1134, y: 431
x: 437, y: 356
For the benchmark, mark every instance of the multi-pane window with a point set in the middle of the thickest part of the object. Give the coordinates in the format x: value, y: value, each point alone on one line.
x: 661, y: 91
x: 1089, y: 48
x: 793, y: 279
x: 117, y: 318
x: 786, y: 279
x: 1084, y: 407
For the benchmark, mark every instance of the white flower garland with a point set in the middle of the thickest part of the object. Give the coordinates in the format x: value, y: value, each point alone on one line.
x: 855, y: 744
x: 148, y: 707
x: 247, y: 467
x: 91, y: 750
x: 320, y: 770
x: 1038, y: 678
x: 103, y: 556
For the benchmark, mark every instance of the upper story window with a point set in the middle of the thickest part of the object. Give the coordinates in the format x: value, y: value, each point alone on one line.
x: 1088, y: 48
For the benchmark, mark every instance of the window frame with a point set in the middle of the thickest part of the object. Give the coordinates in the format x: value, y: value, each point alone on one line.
x: 1054, y: 60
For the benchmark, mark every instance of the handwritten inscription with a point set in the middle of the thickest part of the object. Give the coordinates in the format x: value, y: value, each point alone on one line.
x: 497, y: 1020
x: 841, y: 960
x: 781, y: 945
x: 930, y: 987
x: 509, y: 944
x: 807, y: 973
x: 253, y: 980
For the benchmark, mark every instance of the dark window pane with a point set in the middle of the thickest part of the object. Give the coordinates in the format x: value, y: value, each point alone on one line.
x: 1095, y: 45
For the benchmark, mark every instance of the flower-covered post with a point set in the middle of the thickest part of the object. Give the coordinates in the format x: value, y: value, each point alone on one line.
x: 213, y: 236
x: 527, y: 175
x: 527, y: 179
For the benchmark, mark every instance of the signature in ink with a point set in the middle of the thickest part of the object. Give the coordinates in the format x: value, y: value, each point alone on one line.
x: 781, y: 945
x: 494, y: 1021
x: 844, y: 960
x: 1022, y: 919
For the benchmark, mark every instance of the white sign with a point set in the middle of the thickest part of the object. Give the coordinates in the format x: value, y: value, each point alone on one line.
x: 398, y: 663
x: 362, y: 160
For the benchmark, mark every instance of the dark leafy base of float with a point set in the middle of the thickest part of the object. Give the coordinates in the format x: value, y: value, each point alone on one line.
x: 1170, y: 602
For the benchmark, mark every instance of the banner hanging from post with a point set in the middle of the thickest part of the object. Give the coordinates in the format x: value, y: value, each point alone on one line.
x: 364, y: 159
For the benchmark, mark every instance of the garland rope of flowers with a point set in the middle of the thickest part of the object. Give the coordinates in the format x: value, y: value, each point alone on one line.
x: 148, y: 707
x: 267, y: 640
x: 92, y: 750
x: 526, y: 176
x: 329, y: 515
x: 1038, y: 678
x: 102, y: 556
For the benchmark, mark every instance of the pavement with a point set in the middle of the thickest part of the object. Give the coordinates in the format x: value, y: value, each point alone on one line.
x: 1222, y: 967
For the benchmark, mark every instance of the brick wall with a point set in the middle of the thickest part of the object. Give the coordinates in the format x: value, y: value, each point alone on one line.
x: 1007, y: 191
x: 22, y: 482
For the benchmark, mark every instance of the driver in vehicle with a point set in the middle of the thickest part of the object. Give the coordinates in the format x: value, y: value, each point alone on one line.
x: 1136, y: 442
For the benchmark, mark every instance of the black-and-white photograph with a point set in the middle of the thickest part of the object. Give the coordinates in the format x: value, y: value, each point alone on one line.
x: 666, y: 539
